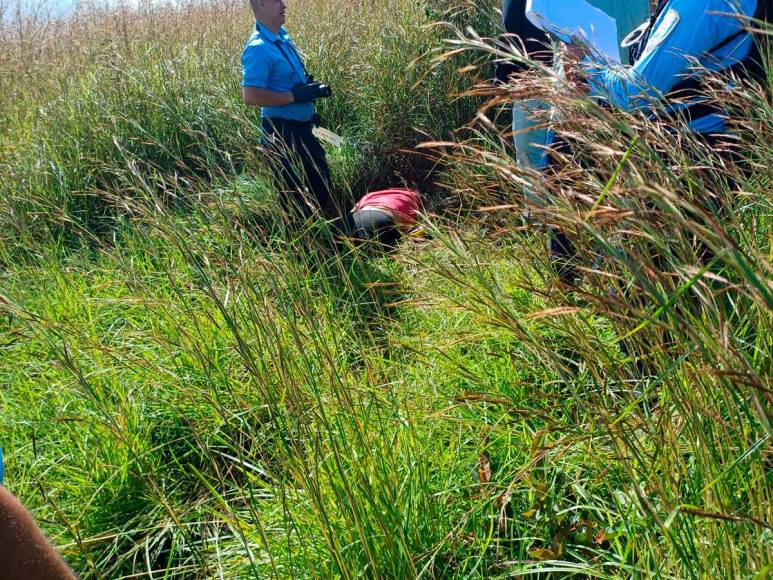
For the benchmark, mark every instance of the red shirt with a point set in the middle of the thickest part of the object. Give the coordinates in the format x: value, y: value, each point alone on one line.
x: 403, y: 204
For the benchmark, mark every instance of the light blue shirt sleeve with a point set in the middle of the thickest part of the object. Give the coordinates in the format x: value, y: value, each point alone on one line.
x: 270, y: 61
x: 684, y: 32
x: 256, y: 67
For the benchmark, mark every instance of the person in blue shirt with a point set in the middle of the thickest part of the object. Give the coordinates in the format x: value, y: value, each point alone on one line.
x: 711, y: 34
x: 529, y: 138
x: 275, y: 79
x: 683, y: 42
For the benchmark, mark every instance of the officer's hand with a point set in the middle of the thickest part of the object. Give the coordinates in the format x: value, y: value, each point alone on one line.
x: 306, y: 93
x: 573, y: 58
x: 575, y: 52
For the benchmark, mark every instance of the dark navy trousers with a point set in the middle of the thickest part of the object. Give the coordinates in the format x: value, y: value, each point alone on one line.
x: 302, y: 172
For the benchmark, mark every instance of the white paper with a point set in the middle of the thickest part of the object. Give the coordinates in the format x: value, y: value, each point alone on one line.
x: 576, y: 20
x: 328, y: 136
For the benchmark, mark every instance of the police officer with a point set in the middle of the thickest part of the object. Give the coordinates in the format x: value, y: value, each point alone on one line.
x: 275, y: 79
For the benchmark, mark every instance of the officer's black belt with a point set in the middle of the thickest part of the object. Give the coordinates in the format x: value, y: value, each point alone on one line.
x: 286, y: 122
x: 314, y: 121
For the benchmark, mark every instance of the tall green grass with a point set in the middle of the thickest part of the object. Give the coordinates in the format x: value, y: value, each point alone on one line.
x: 195, y: 392
x: 109, y: 104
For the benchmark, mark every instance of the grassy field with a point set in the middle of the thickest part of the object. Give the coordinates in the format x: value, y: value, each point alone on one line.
x: 188, y: 390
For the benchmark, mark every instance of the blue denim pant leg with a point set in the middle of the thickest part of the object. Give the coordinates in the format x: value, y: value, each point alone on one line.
x: 529, y: 141
x: 528, y: 138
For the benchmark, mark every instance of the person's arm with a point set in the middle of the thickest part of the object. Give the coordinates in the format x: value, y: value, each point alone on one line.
x: 683, y: 33
x: 258, y: 97
x: 25, y: 554
x: 256, y: 72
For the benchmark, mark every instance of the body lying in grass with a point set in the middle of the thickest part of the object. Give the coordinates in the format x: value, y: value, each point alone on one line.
x: 381, y: 216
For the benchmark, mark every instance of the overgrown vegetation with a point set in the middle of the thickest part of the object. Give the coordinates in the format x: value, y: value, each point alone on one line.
x: 187, y: 390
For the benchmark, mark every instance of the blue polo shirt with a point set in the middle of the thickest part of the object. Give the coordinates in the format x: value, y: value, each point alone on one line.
x: 681, y: 37
x: 271, y: 61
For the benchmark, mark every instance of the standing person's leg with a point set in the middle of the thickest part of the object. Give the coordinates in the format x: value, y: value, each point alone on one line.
x: 300, y: 165
x: 279, y: 142
x: 317, y: 172
x: 561, y: 251
x: 562, y: 256
x: 529, y: 138
x: 723, y: 150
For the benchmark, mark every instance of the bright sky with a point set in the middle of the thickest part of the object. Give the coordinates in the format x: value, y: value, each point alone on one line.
x: 9, y: 9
